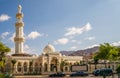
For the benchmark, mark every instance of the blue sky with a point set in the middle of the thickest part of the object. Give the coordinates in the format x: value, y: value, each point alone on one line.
x: 66, y: 24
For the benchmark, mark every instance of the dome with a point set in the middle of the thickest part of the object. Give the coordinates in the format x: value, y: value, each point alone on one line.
x: 49, y: 49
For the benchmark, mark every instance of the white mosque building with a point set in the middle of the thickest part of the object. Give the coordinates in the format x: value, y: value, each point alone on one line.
x: 49, y: 61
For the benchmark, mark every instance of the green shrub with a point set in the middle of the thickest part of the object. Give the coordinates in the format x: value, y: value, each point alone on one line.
x: 1, y: 75
x: 118, y: 69
x: 6, y: 75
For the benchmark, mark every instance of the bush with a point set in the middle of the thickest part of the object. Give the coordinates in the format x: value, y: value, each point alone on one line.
x: 5, y: 75
x: 118, y: 69
x: 1, y: 75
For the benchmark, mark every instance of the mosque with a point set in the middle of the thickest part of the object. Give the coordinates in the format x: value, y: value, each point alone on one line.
x: 49, y: 61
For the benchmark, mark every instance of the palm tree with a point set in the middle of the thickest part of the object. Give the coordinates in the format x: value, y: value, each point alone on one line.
x: 3, y: 50
x: 13, y: 63
x: 63, y: 63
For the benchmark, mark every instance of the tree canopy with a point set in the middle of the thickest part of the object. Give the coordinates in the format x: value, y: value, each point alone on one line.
x: 107, y: 52
x: 3, y: 50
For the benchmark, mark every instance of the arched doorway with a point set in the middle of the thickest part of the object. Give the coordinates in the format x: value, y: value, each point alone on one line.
x: 66, y: 68
x: 25, y: 66
x: 40, y: 68
x: 45, y: 68
x: 19, y: 67
x: 54, y: 63
x: 36, y: 67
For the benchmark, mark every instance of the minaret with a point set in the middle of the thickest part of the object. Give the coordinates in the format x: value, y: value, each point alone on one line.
x: 19, y: 37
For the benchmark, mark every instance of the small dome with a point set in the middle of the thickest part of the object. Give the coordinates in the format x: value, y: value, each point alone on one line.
x: 49, y: 48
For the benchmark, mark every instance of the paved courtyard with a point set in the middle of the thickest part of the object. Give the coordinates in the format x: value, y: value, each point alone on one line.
x: 67, y: 76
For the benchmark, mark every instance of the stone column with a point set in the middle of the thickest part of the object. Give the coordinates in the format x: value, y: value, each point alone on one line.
x: 48, y: 65
x: 22, y: 68
x: 15, y: 69
x: 42, y: 68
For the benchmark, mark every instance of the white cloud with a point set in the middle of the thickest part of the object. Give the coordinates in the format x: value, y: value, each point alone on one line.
x: 62, y: 41
x: 5, y: 34
x: 89, y: 38
x: 46, y: 35
x: 4, y: 17
x: 33, y: 35
x: 26, y: 48
x: 116, y: 43
x: 94, y: 45
x: 73, y: 48
x: 73, y: 41
x: 76, y: 41
x: 77, y: 31
x: 30, y: 50
x: 12, y: 37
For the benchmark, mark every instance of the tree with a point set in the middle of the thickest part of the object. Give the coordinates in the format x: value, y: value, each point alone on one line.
x: 63, y: 63
x: 13, y: 63
x: 113, y: 54
x: 3, y: 50
x: 96, y: 59
x: 118, y: 53
x: 108, y: 52
x: 77, y: 63
x: 104, y: 52
x: 118, y: 71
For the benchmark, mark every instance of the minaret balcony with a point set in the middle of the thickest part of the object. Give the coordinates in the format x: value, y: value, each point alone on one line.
x: 19, y: 39
x: 19, y: 24
x: 19, y: 15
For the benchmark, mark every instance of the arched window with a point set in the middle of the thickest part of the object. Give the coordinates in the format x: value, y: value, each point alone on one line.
x: 25, y: 66
x: 19, y: 67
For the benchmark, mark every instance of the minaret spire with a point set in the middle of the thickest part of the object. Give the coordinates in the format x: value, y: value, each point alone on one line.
x: 19, y: 37
x: 19, y: 8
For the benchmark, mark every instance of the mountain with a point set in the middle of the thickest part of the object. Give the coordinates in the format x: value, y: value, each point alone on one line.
x: 81, y: 52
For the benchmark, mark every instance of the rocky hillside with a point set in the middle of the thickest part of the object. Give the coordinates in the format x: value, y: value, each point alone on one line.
x: 81, y: 52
